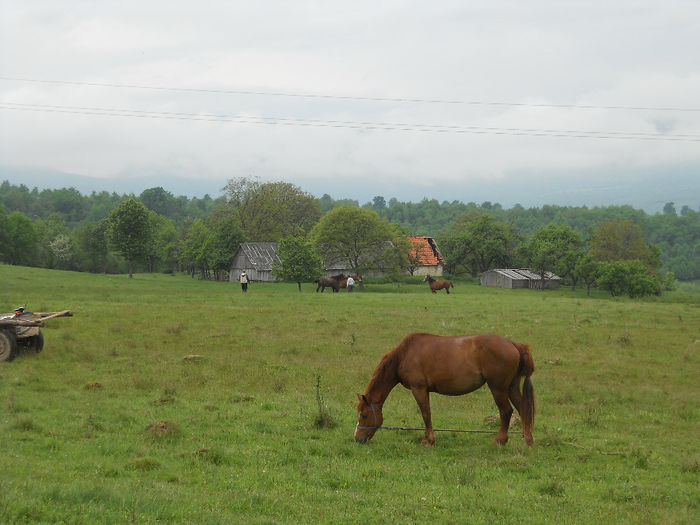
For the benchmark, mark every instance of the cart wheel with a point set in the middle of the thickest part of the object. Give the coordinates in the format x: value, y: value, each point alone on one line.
x: 37, y: 342
x: 8, y: 345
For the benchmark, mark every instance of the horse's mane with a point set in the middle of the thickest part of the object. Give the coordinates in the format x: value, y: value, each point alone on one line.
x: 387, y: 369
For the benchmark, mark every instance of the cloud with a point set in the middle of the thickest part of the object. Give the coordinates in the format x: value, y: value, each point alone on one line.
x: 534, y: 55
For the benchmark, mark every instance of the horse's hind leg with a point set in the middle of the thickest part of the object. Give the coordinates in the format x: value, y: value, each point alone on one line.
x: 505, y: 411
x: 422, y: 398
x: 517, y: 399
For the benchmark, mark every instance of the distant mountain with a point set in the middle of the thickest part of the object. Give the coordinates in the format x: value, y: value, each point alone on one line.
x: 54, y: 179
x: 646, y: 189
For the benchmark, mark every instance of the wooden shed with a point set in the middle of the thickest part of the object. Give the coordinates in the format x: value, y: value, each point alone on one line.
x: 518, y: 278
x: 256, y: 258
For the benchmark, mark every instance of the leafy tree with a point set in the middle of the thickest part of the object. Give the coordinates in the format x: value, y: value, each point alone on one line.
x: 399, y: 255
x: 355, y: 237
x: 53, y: 254
x: 226, y: 235
x: 553, y: 249
x: 4, y: 239
x: 272, y: 210
x: 193, y: 252
x: 587, y: 269
x: 669, y: 208
x: 477, y: 242
x: 92, y: 246
x: 620, y: 240
x: 158, y: 200
x: 627, y: 277
x: 298, y: 261
x: 162, y: 253
x: 130, y: 231
x: 22, y: 240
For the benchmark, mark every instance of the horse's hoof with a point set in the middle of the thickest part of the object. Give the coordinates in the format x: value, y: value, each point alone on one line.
x: 427, y: 444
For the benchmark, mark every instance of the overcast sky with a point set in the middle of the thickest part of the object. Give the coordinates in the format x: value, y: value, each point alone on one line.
x: 355, y: 99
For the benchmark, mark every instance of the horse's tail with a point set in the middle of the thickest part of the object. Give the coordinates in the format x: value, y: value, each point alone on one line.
x: 525, y: 370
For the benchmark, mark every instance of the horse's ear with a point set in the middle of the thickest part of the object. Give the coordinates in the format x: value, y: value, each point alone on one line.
x: 362, y: 397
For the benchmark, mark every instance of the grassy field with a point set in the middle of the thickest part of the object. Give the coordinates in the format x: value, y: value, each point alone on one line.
x: 166, y: 399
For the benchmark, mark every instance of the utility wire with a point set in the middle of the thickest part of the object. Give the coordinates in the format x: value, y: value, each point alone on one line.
x: 388, y: 126
x: 350, y: 97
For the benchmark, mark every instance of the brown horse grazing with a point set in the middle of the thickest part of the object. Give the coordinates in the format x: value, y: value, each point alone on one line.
x: 453, y: 366
x: 438, y: 285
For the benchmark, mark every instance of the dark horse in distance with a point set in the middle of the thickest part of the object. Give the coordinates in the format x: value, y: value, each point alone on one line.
x: 336, y: 282
x: 453, y: 366
x: 438, y: 285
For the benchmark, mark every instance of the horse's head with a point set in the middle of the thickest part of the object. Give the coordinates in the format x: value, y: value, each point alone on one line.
x: 427, y: 279
x: 369, y: 419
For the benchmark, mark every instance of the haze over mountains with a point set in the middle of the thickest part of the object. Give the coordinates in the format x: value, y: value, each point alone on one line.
x: 643, y: 189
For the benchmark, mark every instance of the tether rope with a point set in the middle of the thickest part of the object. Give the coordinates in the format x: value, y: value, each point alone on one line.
x: 437, y: 430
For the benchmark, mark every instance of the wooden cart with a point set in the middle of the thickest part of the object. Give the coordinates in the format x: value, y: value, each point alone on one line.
x: 23, y: 329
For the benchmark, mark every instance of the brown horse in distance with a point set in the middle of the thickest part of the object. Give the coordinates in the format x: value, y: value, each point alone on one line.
x: 343, y: 283
x: 438, y: 285
x: 453, y: 366
x: 331, y: 282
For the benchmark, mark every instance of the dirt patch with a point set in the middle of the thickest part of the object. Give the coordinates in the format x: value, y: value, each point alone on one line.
x: 163, y: 428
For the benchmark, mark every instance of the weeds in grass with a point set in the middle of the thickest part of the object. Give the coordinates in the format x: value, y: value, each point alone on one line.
x: 593, y: 411
x: 323, y: 419
x: 25, y: 424
x: 142, y: 463
x: 552, y: 488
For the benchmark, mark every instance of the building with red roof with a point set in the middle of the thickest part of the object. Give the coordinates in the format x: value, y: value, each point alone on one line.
x: 425, y: 257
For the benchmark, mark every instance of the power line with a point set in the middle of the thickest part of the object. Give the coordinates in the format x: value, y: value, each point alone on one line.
x: 346, y: 124
x: 350, y: 97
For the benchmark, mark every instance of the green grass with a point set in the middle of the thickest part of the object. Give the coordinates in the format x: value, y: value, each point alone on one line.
x: 166, y: 399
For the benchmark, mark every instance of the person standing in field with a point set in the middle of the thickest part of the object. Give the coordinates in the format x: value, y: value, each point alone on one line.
x: 243, y: 279
x: 351, y: 284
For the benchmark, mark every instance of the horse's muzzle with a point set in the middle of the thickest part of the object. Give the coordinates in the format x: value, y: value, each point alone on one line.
x: 362, y: 438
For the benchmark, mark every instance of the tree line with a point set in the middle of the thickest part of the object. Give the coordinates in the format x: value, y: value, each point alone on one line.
x: 64, y: 229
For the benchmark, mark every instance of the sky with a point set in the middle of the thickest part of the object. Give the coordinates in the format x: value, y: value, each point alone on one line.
x: 542, y: 102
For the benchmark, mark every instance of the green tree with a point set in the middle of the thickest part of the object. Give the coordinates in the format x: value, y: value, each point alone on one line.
x: 162, y: 253
x: 92, y: 246
x: 477, y: 242
x: 226, y: 235
x: 355, y: 237
x: 55, y: 244
x: 22, y: 240
x: 193, y: 249
x: 4, y: 239
x: 553, y: 248
x: 298, y: 261
x: 130, y: 231
x: 628, y: 277
x: 158, y: 200
x: 587, y: 269
x: 621, y: 240
x: 272, y: 210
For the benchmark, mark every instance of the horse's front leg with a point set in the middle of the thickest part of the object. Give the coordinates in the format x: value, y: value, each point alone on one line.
x: 423, y: 400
